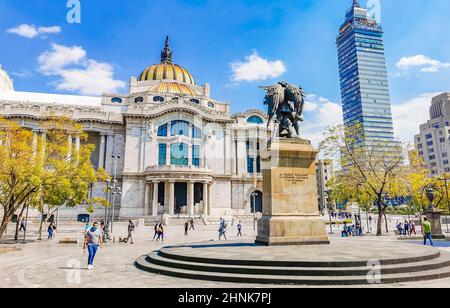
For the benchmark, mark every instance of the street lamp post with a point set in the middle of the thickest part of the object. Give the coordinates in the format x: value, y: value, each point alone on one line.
x: 26, y: 224
x: 329, y: 193
x: 448, y: 204
x: 254, y: 209
x: 114, y: 189
x: 108, y: 182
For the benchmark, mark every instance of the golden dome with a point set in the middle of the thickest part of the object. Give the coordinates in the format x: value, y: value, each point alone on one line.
x: 173, y: 87
x: 166, y: 70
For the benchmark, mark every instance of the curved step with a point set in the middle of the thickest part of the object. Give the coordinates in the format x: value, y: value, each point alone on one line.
x: 166, y: 253
x: 143, y: 264
x: 438, y: 263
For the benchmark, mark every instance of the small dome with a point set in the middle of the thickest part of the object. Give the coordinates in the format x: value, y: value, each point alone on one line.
x: 166, y: 70
x: 6, y: 83
x: 173, y: 87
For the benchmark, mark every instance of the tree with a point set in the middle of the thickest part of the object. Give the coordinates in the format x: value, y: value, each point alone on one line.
x: 416, y: 181
x: 19, y: 176
x: 50, y: 172
x: 374, y: 167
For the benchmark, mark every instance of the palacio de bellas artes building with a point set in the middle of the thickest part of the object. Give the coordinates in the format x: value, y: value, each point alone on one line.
x: 173, y: 149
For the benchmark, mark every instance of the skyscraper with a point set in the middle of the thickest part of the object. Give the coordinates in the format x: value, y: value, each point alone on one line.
x: 363, y: 76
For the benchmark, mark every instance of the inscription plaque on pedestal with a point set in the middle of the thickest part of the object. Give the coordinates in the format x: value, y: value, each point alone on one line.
x: 290, y: 214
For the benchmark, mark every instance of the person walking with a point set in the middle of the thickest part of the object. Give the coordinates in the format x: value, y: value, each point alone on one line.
x: 186, y: 228
x: 131, y: 228
x: 51, y: 230
x: 239, y: 227
x: 23, y: 227
x: 192, y: 224
x: 155, y: 236
x: 407, y: 229
x: 92, y: 241
x: 223, y: 230
x: 426, y: 229
x: 160, y: 233
x: 106, y: 235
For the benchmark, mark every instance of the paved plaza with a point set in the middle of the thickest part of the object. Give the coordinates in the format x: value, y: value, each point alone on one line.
x: 50, y: 264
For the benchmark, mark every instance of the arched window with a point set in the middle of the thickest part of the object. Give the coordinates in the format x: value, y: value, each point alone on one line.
x: 116, y: 100
x: 158, y: 99
x: 255, y: 120
x: 179, y: 154
x: 179, y: 128
x: 196, y: 133
x: 211, y: 105
x: 162, y: 154
x: 162, y: 131
x: 139, y: 99
x: 195, y: 101
x: 196, y: 155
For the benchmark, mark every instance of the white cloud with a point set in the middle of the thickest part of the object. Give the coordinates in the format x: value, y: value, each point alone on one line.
x: 24, y: 30
x: 320, y: 113
x: 409, y: 115
x: 53, y: 61
x: 31, y: 31
x: 78, y: 73
x: 49, y: 30
x: 256, y: 68
x: 424, y: 63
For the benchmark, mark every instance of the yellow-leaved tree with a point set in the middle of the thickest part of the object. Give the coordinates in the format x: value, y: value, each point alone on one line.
x: 47, y: 172
x: 373, y: 167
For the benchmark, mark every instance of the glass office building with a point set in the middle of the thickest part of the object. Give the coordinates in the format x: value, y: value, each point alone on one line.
x: 363, y: 76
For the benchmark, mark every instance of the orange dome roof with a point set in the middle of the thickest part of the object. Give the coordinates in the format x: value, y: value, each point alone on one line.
x: 173, y: 87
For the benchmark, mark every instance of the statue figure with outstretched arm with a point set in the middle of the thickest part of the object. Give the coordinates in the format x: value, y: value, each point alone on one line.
x: 285, y: 103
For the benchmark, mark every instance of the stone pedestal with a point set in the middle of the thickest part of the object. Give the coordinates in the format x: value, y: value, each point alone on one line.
x: 290, y: 207
x: 434, y: 217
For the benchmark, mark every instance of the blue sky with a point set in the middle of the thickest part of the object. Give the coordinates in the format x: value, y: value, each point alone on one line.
x: 296, y: 38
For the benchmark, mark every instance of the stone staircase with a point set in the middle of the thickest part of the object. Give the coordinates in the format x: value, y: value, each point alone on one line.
x: 427, y: 266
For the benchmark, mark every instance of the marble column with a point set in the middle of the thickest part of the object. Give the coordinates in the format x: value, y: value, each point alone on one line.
x: 241, y: 153
x: 142, y: 149
x: 228, y: 152
x: 155, y: 205
x: 109, y: 152
x: 69, y: 146
x: 171, y: 197
x: 35, y: 142
x: 77, y: 143
x: 210, y: 197
x: 101, y: 154
x: 205, y: 198
x: 168, y: 155
x: 190, y: 197
x: 147, y: 199
x: 44, y: 141
x: 189, y: 154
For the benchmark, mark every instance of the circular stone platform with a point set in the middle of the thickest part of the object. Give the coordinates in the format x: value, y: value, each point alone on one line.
x: 343, y: 262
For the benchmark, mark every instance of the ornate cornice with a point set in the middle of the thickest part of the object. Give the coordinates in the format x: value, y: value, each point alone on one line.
x: 37, y: 111
x: 250, y: 113
x: 157, y: 110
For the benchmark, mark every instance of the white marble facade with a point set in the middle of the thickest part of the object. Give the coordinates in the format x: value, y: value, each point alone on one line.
x: 174, y: 149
